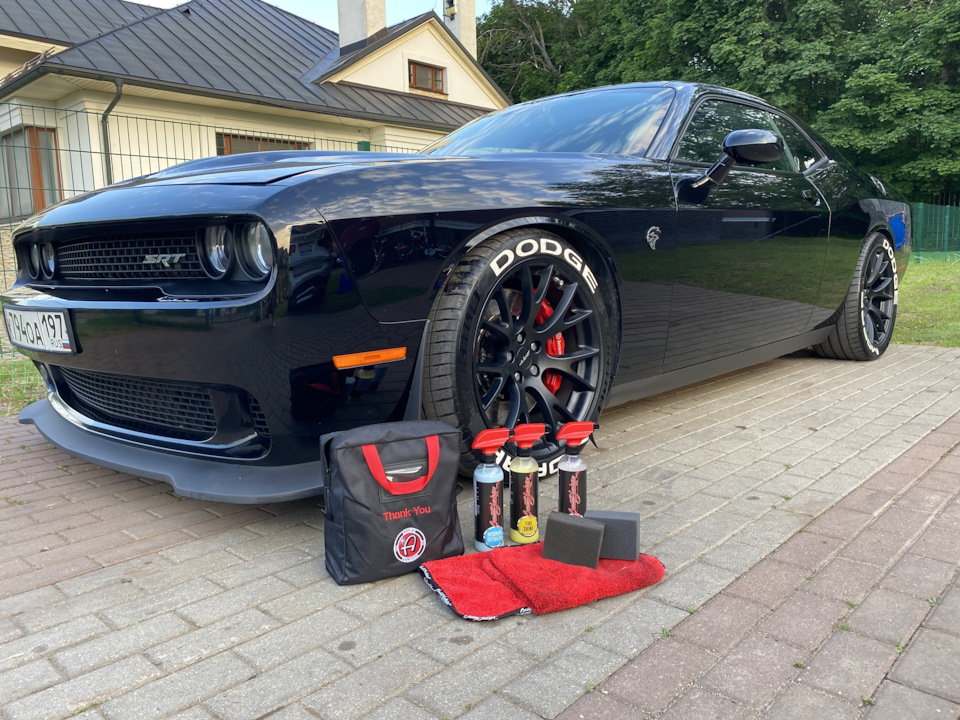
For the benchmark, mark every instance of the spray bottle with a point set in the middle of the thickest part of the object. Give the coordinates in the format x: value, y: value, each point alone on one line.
x: 488, y: 490
x: 524, y: 476
x: 572, y: 469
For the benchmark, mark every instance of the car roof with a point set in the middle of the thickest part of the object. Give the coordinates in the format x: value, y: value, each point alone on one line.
x: 691, y: 90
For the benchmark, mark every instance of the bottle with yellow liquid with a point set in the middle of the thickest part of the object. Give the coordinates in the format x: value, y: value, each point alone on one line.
x: 524, y: 479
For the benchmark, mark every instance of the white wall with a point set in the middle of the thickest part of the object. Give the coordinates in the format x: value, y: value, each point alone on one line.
x: 11, y: 59
x: 388, y: 68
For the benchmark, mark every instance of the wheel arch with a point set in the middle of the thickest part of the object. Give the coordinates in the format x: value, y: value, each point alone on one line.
x: 880, y: 213
x: 583, y: 239
x: 881, y: 228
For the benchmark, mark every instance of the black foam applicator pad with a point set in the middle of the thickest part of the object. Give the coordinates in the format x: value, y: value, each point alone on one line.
x: 621, y: 534
x: 573, y: 540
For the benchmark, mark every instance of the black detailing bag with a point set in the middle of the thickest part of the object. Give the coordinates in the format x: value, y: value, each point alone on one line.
x: 391, y: 499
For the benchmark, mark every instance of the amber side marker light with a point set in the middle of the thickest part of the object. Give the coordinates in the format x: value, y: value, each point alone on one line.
x: 343, y: 362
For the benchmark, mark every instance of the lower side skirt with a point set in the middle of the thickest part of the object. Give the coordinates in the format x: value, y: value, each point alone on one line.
x: 704, y: 371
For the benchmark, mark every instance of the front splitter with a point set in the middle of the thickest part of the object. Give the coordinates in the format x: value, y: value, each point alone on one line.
x: 190, y: 477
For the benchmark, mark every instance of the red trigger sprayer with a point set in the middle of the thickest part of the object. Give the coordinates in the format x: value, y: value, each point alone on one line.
x: 488, y: 490
x: 524, y: 475
x: 572, y: 469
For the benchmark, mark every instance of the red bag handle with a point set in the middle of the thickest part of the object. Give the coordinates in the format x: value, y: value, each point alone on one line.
x: 372, y: 457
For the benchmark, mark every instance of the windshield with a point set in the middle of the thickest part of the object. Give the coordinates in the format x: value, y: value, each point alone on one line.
x: 621, y: 122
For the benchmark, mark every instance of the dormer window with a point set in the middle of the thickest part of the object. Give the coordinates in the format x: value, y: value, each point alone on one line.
x: 426, y: 77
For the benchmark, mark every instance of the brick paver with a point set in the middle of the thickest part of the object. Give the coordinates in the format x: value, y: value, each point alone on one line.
x: 871, y: 629
x: 806, y: 510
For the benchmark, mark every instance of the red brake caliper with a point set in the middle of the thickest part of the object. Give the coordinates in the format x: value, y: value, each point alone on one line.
x: 551, y: 379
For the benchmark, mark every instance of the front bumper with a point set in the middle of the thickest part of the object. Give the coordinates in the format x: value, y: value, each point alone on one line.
x: 190, y: 476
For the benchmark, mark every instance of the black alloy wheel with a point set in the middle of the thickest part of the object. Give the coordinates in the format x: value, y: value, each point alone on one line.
x: 520, y: 334
x: 878, y: 304
x: 537, y: 349
x: 868, y: 315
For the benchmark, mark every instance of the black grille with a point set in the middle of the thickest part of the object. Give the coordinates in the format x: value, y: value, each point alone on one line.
x: 176, y: 410
x: 125, y: 257
x: 258, y: 417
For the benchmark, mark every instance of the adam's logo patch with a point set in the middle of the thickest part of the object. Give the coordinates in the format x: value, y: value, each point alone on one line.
x: 409, y: 545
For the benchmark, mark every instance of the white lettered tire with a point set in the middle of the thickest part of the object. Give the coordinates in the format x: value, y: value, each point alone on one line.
x: 522, y: 331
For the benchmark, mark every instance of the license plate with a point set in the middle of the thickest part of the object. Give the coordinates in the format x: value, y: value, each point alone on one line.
x: 47, y: 330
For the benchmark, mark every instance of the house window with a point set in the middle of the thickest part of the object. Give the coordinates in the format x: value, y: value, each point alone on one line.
x: 237, y: 144
x: 29, y: 171
x: 426, y: 77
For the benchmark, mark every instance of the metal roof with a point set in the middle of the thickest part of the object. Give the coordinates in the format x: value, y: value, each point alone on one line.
x: 68, y: 22
x: 246, y: 50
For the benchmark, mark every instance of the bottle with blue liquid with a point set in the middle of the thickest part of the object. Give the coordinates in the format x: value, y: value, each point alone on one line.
x: 488, y: 490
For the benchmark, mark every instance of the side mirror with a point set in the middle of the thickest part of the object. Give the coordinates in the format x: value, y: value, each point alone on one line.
x: 753, y: 147
x: 747, y: 147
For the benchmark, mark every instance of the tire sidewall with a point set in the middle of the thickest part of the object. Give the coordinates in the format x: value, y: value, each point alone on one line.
x: 872, y: 350
x: 501, y: 255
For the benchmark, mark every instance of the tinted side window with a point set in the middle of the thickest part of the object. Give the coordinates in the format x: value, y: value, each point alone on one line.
x: 796, y: 147
x: 713, y: 120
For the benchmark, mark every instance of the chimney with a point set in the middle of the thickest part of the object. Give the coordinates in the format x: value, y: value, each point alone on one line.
x: 361, y: 23
x: 460, y: 17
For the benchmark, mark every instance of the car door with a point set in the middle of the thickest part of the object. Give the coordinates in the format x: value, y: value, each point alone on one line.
x: 750, y: 254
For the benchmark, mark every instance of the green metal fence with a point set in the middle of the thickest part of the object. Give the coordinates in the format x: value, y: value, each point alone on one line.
x: 936, y: 233
x: 51, y: 154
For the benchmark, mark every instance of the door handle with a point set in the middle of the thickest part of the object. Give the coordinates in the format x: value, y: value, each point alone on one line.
x: 812, y: 197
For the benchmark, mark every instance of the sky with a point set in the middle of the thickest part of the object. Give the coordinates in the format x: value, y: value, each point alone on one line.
x: 324, y: 12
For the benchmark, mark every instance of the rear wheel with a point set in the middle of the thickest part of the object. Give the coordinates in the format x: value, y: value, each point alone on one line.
x: 869, y: 312
x: 521, y: 332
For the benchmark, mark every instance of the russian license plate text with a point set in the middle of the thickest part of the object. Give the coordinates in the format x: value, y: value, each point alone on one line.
x: 38, y: 329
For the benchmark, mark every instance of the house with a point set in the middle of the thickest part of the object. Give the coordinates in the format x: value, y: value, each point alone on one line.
x: 97, y: 91
x: 31, y: 27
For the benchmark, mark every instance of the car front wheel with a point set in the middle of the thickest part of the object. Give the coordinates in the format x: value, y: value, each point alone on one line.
x: 522, y: 331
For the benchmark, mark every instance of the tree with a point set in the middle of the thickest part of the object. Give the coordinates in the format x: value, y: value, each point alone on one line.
x: 898, y: 113
x: 878, y: 78
x: 525, y: 45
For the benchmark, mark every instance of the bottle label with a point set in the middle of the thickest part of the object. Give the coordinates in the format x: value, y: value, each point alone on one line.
x: 527, y: 526
x: 573, y: 495
x: 489, y: 514
x: 523, y: 503
x: 493, y: 537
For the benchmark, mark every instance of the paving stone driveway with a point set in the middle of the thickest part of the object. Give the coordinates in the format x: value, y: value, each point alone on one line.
x: 120, y: 600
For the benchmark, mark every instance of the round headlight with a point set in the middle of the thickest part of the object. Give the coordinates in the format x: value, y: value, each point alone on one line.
x: 216, y: 250
x: 256, y: 251
x: 48, y: 260
x: 33, y: 260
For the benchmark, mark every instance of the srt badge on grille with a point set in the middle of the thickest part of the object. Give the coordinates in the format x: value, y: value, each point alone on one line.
x: 165, y: 259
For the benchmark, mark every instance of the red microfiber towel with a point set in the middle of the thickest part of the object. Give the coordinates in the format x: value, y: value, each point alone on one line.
x: 518, y: 580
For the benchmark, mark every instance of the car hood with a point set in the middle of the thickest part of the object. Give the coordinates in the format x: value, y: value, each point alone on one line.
x: 261, y: 168
x: 251, y: 183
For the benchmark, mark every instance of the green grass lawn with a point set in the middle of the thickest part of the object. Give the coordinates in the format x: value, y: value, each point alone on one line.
x: 20, y: 384
x: 928, y: 311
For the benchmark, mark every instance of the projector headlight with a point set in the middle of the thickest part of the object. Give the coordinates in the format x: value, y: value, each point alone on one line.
x: 256, y: 251
x: 33, y: 261
x: 48, y: 260
x: 216, y: 250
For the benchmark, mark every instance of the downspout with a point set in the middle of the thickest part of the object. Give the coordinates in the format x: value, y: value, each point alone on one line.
x: 105, y: 132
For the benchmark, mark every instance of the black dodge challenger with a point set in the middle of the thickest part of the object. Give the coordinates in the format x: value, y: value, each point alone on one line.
x: 206, y: 324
